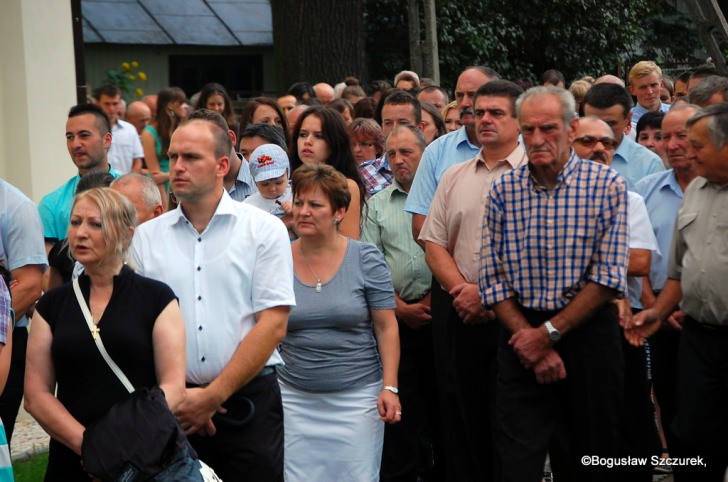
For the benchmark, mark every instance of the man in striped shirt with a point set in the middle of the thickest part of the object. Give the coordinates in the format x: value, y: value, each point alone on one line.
x: 555, y: 250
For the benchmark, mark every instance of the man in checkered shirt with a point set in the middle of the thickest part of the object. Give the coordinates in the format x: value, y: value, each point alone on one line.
x: 555, y: 252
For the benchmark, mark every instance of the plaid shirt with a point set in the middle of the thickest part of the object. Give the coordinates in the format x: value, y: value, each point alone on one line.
x: 542, y: 247
x: 376, y: 175
x: 6, y: 312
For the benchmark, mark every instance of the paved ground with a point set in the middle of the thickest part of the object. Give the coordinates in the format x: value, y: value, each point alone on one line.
x: 29, y: 439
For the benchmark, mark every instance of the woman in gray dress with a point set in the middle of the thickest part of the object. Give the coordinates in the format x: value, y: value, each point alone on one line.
x: 339, y: 383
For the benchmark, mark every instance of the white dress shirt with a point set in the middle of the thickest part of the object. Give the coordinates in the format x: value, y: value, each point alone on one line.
x: 239, y: 265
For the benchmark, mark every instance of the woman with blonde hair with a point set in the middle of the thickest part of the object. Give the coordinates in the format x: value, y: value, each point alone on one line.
x: 68, y: 383
x: 451, y: 116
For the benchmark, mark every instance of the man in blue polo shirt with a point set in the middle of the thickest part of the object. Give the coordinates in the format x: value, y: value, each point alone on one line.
x: 88, y: 138
x: 612, y: 103
x: 448, y: 150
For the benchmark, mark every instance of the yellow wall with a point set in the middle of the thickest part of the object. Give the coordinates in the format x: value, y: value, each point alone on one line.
x: 37, y: 82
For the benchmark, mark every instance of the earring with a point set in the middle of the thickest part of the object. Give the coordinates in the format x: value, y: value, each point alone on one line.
x: 336, y: 221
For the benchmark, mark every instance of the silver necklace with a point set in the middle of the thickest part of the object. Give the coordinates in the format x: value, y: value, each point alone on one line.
x: 318, y: 286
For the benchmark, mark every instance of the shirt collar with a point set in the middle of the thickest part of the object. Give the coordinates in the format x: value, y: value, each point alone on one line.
x: 224, y: 207
x: 516, y: 158
x: 563, y: 176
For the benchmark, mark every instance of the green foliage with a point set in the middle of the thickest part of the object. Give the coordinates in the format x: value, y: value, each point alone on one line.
x: 124, y: 78
x: 523, y: 38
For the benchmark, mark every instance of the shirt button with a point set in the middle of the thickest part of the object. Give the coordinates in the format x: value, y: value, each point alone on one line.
x: 199, y: 327
x: 199, y: 240
x: 199, y: 298
x: 199, y: 268
x: 202, y: 359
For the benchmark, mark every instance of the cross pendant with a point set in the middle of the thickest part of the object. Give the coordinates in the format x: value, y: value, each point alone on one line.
x: 95, y: 331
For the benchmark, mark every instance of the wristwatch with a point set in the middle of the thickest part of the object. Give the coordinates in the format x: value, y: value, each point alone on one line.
x: 554, y: 334
x: 392, y: 389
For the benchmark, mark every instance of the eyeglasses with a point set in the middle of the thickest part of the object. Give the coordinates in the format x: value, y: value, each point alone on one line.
x: 363, y: 145
x: 591, y: 141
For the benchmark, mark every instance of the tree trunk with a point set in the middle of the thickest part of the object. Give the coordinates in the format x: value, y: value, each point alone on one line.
x: 318, y: 41
x: 430, y: 52
x: 415, y: 50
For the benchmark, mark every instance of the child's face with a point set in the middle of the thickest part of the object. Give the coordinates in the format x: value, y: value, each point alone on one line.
x: 273, y: 188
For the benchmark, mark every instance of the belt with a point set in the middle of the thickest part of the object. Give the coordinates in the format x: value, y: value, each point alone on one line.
x: 707, y: 326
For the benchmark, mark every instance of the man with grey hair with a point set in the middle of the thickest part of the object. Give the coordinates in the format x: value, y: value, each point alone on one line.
x: 550, y: 272
x: 143, y: 194
x: 697, y: 272
x: 407, y: 450
x: 711, y: 90
x: 663, y: 195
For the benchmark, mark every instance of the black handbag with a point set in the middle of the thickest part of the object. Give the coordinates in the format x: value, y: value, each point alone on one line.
x: 139, y: 438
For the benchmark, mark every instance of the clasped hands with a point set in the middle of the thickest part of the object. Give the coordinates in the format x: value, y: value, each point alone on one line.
x: 534, y: 350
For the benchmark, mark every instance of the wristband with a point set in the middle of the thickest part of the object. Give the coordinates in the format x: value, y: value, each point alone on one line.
x: 392, y: 389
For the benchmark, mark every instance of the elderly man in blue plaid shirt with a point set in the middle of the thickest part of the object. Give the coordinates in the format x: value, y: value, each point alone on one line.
x: 555, y: 251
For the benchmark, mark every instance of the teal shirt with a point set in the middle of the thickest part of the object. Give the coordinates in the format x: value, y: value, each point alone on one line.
x: 389, y: 227
x: 55, y: 209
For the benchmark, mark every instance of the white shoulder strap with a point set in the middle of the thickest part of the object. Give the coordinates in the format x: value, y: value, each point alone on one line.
x: 97, y: 338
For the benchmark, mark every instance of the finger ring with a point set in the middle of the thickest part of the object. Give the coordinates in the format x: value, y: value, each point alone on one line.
x: 398, y: 413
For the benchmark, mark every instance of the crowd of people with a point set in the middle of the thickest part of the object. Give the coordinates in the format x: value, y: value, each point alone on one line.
x: 380, y: 284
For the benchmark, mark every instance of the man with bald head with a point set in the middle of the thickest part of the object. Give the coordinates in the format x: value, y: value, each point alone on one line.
x: 663, y: 194
x: 324, y: 92
x: 139, y: 115
x: 638, y: 435
x: 450, y: 149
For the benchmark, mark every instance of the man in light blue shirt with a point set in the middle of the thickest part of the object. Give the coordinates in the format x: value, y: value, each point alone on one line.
x: 663, y: 195
x: 612, y: 103
x: 23, y: 256
x: 448, y: 150
x: 646, y: 83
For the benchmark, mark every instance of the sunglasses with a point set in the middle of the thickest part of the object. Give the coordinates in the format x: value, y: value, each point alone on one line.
x: 591, y: 141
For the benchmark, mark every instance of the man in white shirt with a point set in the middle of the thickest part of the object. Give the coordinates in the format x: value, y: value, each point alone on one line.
x: 231, y: 266
x: 126, y: 153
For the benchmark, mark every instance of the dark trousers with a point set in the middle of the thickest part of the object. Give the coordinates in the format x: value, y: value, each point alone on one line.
x: 638, y: 431
x: 664, y: 349
x: 408, y: 445
x: 253, y: 452
x: 701, y: 424
x: 12, y: 396
x: 575, y: 417
x: 465, y: 367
